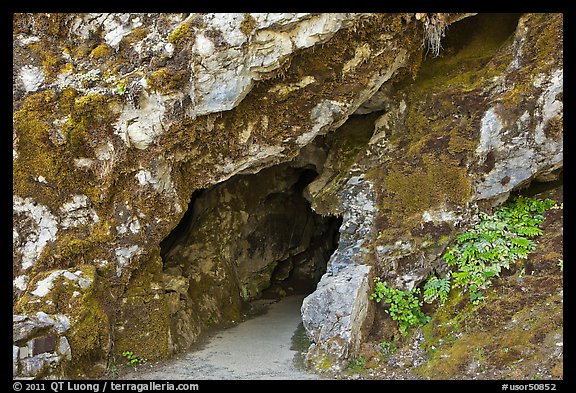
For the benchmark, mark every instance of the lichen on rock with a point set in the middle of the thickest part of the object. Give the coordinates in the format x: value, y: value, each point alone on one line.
x: 327, y: 146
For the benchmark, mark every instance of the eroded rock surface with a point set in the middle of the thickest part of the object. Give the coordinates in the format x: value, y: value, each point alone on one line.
x: 120, y: 119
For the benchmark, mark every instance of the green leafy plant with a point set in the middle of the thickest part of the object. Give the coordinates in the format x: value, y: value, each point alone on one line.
x: 120, y: 88
x: 133, y: 360
x: 437, y: 288
x: 357, y: 366
x: 561, y: 264
x: 404, y: 305
x: 112, y: 371
x: 388, y: 347
x: 493, y: 244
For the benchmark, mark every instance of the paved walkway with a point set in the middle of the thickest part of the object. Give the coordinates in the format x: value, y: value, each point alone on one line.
x: 259, y: 348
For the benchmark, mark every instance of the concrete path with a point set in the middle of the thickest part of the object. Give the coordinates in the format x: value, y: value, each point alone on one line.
x: 259, y: 348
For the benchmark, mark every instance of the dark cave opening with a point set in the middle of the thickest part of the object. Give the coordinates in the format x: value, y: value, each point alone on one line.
x: 470, y: 44
x: 299, y: 273
x: 491, y: 28
x: 253, y: 236
x: 538, y: 185
x: 182, y: 227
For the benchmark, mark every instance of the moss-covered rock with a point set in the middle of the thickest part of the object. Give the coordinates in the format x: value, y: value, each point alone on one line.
x: 119, y: 118
x: 516, y: 332
x: 84, y: 298
x: 142, y: 325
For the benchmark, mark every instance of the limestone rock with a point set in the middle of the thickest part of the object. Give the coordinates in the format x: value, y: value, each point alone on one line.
x: 438, y: 150
x: 126, y: 124
x: 15, y: 357
x: 38, y: 365
x: 25, y: 328
x: 64, y: 349
x: 333, y: 315
x: 244, y: 236
x: 457, y: 139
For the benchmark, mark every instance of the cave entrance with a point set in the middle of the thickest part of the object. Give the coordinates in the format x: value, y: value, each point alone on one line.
x: 300, y: 272
x: 254, y: 236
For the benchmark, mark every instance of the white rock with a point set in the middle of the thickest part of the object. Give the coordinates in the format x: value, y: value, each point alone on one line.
x: 83, y: 163
x: 321, y: 115
x: 76, y: 212
x: 62, y: 323
x: 25, y: 352
x: 223, y: 77
x: 105, y: 151
x: 32, y: 366
x: 139, y: 127
x: 32, y: 78
x: 21, y: 282
x: 23, y: 329
x: 63, y: 348
x: 19, y: 318
x: 490, y: 130
x: 123, y: 256
x: 44, y: 318
x: 15, y: 355
x: 44, y: 286
x: 44, y: 231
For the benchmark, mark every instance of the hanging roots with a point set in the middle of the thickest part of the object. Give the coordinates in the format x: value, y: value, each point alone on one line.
x: 434, y: 30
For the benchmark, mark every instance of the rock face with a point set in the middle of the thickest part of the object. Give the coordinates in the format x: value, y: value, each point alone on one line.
x: 121, y: 120
x: 244, y: 236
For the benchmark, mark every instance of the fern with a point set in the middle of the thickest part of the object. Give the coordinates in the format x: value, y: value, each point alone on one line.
x: 404, y: 306
x: 492, y: 245
x: 437, y: 288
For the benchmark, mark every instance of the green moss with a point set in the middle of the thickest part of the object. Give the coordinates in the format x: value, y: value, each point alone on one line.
x: 168, y: 80
x: 479, y: 337
x: 87, y: 310
x: 102, y: 51
x: 60, y: 299
x: 145, y: 314
x: 180, y: 34
x: 323, y: 363
x: 35, y: 153
x: 89, y: 338
x: 50, y: 57
x: 357, y: 366
x: 441, y: 181
x: 459, y: 144
x: 453, y: 361
x: 53, y: 129
x: 70, y: 247
x: 444, y: 105
x: 448, y: 352
x: 541, y: 53
x: 247, y: 25
x: 81, y: 119
x: 513, y: 332
x: 547, y: 38
x: 135, y: 36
